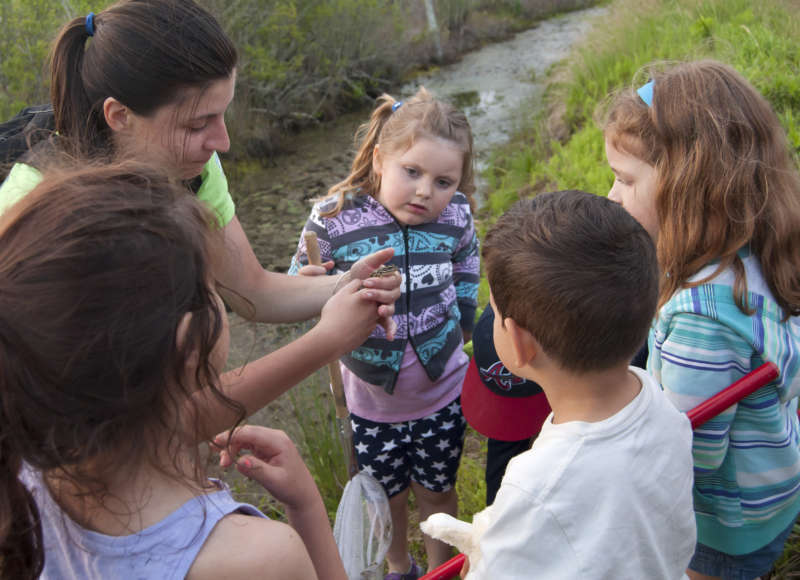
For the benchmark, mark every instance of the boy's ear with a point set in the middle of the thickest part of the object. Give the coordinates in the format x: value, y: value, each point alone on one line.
x: 524, y: 346
x: 117, y: 115
x: 377, y: 161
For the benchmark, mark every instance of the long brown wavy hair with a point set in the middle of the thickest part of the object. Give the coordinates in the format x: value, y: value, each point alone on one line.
x: 727, y: 179
x: 98, y: 268
x: 395, y: 131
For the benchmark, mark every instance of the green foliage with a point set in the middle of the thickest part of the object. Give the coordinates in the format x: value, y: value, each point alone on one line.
x: 302, y: 57
x: 453, y: 14
x: 318, y: 440
x: 574, y: 166
x: 27, y: 29
x: 789, y: 564
x: 302, y: 61
x: 470, y: 482
x: 758, y: 40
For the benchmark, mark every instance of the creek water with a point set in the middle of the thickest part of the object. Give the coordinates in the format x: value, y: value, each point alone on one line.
x: 491, y: 84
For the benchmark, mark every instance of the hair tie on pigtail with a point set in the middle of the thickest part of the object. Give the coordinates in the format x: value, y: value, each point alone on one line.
x: 645, y: 93
x: 396, y: 105
x: 90, y: 24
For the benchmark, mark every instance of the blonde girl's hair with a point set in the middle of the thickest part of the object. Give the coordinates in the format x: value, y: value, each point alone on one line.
x: 397, y: 125
x: 727, y: 179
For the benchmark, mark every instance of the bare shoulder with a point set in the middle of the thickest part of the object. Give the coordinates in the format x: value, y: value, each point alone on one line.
x: 242, y: 546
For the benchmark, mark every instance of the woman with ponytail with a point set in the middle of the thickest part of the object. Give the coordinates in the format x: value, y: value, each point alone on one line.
x: 151, y: 80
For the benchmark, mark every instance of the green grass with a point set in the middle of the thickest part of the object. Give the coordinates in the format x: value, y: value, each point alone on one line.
x: 318, y: 440
x: 759, y: 41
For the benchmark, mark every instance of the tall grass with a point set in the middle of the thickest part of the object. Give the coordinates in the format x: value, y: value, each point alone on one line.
x: 758, y: 39
x: 319, y: 441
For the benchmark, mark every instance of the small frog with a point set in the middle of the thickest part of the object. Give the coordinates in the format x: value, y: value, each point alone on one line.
x: 383, y: 271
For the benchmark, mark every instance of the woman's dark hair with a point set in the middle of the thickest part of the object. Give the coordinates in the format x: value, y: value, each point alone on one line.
x: 99, y: 363
x: 142, y: 53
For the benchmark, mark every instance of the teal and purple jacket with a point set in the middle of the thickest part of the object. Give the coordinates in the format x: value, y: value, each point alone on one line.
x: 439, y: 262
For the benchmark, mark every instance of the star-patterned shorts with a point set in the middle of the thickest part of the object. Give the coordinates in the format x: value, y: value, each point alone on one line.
x: 426, y: 450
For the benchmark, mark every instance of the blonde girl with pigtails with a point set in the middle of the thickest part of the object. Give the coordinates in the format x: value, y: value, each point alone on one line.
x: 409, y: 189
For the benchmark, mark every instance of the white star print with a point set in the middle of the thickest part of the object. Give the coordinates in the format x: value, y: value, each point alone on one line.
x: 443, y: 444
x: 369, y: 469
x: 441, y: 478
x: 447, y: 425
x: 422, y: 453
x: 407, y: 438
x: 454, y: 408
x: 398, y: 426
x: 389, y: 445
x: 433, y: 416
x: 419, y: 469
x: 362, y: 448
x: 395, y: 488
x: 428, y: 433
x: 382, y: 457
x: 455, y: 451
x: 371, y: 431
x: 397, y: 462
x: 386, y: 479
x: 353, y: 426
x: 439, y: 465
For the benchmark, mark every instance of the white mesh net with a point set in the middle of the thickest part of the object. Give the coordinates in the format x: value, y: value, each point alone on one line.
x: 363, y: 527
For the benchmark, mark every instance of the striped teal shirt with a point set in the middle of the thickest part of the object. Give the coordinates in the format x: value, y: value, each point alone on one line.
x: 747, y: 461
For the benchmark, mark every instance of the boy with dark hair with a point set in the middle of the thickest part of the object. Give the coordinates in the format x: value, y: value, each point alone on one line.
x: 606, y: 489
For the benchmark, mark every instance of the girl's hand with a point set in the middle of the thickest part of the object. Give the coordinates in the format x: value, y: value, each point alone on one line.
x: 385, y: 290
x: 465, y: 567
x: 310, y: 270
x: 350, y: 316
x: 274, y: 462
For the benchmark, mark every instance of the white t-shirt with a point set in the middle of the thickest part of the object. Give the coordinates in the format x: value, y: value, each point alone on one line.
x: 611, y: 499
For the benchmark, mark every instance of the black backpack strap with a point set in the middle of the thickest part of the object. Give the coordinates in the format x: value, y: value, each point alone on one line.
x: 25, y: 129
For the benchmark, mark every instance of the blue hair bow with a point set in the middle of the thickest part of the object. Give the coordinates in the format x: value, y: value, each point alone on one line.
x: 645, y: 93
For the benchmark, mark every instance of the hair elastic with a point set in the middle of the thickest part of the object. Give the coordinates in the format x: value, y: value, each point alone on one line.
x: 90, y: 24
x: 645, y: 93
x: 396, y: 105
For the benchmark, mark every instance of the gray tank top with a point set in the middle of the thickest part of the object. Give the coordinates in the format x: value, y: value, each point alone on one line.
x: 164, y: 550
